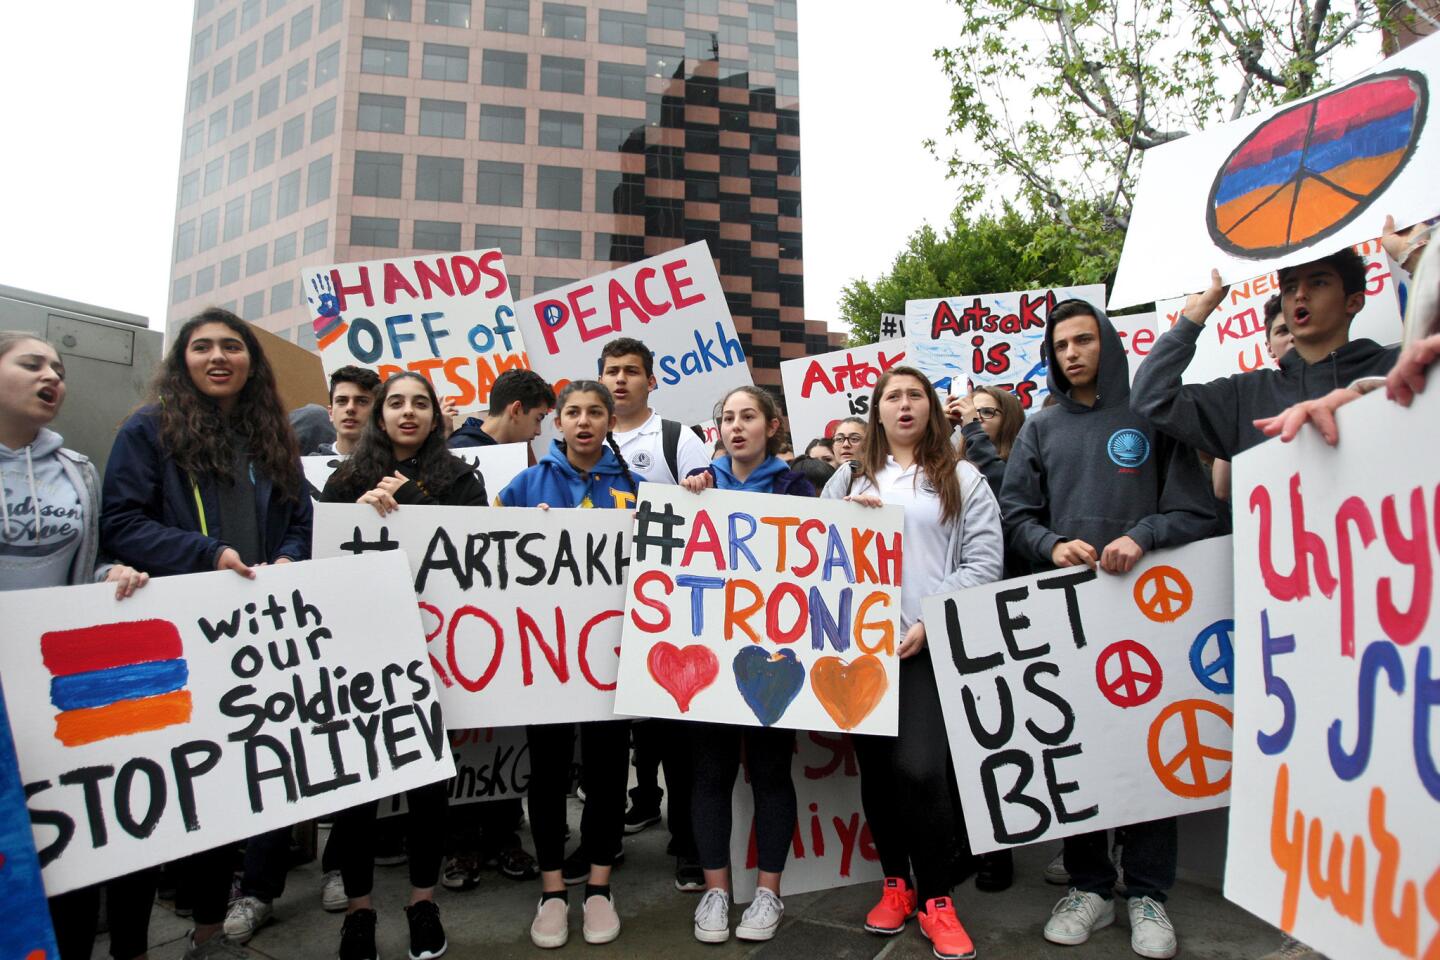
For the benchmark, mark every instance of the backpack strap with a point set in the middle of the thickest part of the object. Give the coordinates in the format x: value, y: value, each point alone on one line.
x: 670, y: 446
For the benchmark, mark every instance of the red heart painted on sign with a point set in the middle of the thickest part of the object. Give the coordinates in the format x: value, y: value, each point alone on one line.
x: 683, y: 671
x: 849, y: 691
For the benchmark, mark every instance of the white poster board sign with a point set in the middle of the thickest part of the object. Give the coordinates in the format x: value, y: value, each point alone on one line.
x: 1336, y: 789
x: 490, y: 764
x: 820, y: 391
x: 496, y: 464
x: 210, y: 708
x: 991, y: 339
x: 1286, y: 185
x: 1076, y: 700
x: 753, y: 609
x: 673, y: 302
x: 1138, y: 333
x: 521, y: 606
x: 892, y: 326
x: 448, y: 316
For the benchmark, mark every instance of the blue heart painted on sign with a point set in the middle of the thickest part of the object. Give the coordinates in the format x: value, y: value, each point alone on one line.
x: 768, y: 684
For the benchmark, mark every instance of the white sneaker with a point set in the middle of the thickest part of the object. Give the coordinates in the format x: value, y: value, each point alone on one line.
x: 712, y: 916
x: 1055, y: 871
x: 245, y: 916
x: 1292, y: 949
x: 1151, y: 934
x: 332, y: 892
x: 1077, y: 916
x: 762, y: 918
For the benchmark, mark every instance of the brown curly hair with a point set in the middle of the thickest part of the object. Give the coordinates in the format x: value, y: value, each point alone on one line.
x: 934, y: 454
x: 195, y: 433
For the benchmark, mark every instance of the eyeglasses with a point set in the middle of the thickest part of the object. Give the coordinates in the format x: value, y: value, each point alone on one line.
x: 849, y: 438
x: 987, y: 413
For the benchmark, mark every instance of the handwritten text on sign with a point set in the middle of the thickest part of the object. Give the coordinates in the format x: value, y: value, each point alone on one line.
x: 1337, y: 707
x: 754, y: 609
x: 447, y: 316
x: 673, y: 302
x: 492, y: 763
x: 208, y: 708
x: 1076, y: 700
x: 496, y: 464
x: 821, y: 391
x: 521, y: 607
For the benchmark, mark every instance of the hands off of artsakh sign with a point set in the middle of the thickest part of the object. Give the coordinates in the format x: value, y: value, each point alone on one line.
x: 209, y: 708
x: 1076, y: 700
x: 1337, y: 709
x: 753, y: 609
x: 521, y: 607
x: 448, y: 316
x: 821, y: 391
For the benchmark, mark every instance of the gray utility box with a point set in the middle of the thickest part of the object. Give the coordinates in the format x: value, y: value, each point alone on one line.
x: 109, y: 359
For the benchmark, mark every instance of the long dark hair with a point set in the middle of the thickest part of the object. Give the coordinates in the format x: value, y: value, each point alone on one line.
x: 769, y: 409
x: 603, y: 392
x: 933, y: 451
x: 436, y: 468
x: 1012, y: 418
x: 196, y: 434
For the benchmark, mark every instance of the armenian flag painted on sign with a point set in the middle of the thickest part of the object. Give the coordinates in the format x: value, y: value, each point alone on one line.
x: 1309, y: 170
x: 26, y: 933
x: 115, y: 679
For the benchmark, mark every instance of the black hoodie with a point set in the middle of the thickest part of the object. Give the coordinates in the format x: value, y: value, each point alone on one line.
x: 1218, y: 416
x: 1099, y: 473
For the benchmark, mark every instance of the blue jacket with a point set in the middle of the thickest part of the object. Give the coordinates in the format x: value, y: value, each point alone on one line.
x: 471, y: 434
x: 772, y: 476
x: 150, y: 520
x: 554, y: 481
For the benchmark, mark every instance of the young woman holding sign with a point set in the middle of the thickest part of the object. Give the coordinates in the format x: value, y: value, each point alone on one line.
x: 749, y: 420
x: 584, y: 468
x: 952, y: 540
x: 207, y: 477
x: 50, y: 537
x: 400, y: 459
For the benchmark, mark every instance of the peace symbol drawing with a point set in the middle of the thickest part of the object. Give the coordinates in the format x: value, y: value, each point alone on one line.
x: 1195, y: 750
x: 1128, y: 674
x: 1216, y: 674
x: 1308, y: 171
x: 1163, y: 594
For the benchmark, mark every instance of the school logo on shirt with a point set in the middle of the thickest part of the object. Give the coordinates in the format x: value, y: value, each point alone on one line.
x: 1128, y: 448
x: 641, y: 460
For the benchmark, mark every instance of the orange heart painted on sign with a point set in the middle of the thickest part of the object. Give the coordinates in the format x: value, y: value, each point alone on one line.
x: 849, y: 691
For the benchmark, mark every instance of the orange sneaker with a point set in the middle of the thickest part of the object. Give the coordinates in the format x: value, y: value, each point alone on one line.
x: 897, y: 905
x: 948, y: 939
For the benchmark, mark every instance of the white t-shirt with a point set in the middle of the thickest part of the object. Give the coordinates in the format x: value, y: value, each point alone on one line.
x: 926, y: 538
x: 644, y: 450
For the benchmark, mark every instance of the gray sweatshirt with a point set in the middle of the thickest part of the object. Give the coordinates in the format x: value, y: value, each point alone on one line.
x: 49, y: 516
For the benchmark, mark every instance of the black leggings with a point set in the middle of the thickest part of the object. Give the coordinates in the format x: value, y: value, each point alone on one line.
x: 604, y: 771
x: 768, y: 755
x: 903, y: 789
x: 74, y: 916
x: 424, y: 840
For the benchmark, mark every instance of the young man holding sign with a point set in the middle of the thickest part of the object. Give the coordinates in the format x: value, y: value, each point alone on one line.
x: 1089, y: 482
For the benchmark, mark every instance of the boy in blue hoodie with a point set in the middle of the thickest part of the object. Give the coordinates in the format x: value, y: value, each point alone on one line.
x: 1090, y: 481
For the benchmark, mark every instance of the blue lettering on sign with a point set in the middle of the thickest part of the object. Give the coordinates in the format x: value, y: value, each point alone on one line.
x: 704, y: 358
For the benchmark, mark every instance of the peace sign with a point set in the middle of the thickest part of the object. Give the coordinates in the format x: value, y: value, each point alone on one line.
x: 1163, y: 594
x: 1195, y: 751
x: 1217, y: 676
x: 1124, y: 682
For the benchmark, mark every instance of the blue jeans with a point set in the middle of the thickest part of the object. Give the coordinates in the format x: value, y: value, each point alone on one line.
x: 1148, y: 856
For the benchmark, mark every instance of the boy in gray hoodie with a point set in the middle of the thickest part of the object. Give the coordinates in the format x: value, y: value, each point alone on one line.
x: 1091, y: 482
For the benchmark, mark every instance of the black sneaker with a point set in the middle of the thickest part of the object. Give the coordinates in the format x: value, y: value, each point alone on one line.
x: 357, y: 936
x: 996, y: 873
x: 689, y: 878
x: 638, y: 818
x: 576, y: 868
x: 427, y: 936
x: 517, y: 864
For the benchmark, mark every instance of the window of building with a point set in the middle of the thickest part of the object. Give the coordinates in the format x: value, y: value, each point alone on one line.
x: 448, y: 13
x: 561, y: 129
x: 502, y: 124
x: 502, y: 68
x: 442, y: 118
x: 199, y: 89
x: 558, y: 188
x: 388, y: 9
x: 189, y: 188
x: 622, y: 80
x: 245, y: 61
x: 287, y: 195
x: 562, y: 74
x: 272, y: 46
x: 436, y: 235
x: 203, y: 9
x: 229, y: 270
x: 787, y: 163
x: 224, y: 29
x: 327, y: 64
x: 762, y: 58
x: 249, y: 14
x: 623, y: 29
x: 383, y: 55
x: 666, y: 14
x: 315, y: 235
x: 500, y: 184
x: 272, y: 5
x: 305, y: 337
x: 253, y: 307
x: 220, y: 77
x: 664, y: 62
x: 219, y: 126
x: 381, y: 113
x: 785, y: 9
x: 292, y: 135
x: 282, y: 296
x: 762, y: 19
x: 507, y: 16
x: 563, y: 21
x: 214, y: 175
x: 666, y: 163
x: 787, y: 45
x: 185, y: 240
x: 241, y: 111
x: 204, y: 280
x: 265, y: 149
x: 490, y: 236
x: 702, y: 187
x: 787, y: 84
x: 209, y: 229
x: 374, y: 232
x: 557, y: 243
x: 300, y: 26
x: 442, y: 61
x: 665, y: 217
x: 234, y: 218
x: 284, y: 248
x: 330, y: 13
x: 439, y: 178
x: 200, y: 46
x: 619, y: 247
x: 322, y: 120
x: 378, y: 174
x: 734, y: 31
x: 194, y: 140
x: 619, y: 193
x: 239, y: 163
x: 734, y: 165
x: 615, y: 133
x: 260, y: 206
x: 699, y: 45
x: 546, y: 284
x: 181, y: 289
x: 269, y: 100
x: 317, y: 181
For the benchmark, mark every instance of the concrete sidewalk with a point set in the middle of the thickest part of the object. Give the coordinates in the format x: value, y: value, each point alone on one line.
x: 493, y: 921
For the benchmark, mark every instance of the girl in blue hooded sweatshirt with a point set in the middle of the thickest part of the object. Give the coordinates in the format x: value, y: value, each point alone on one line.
x: 584, y: 468
x: 749, y: 420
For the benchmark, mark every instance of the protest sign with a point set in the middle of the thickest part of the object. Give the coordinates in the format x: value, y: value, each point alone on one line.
x: 26, y: 932
x: 496, y: 464
x: 1336, y: 787
x: 832, y: 846
x: 1286, y: 185
x: 820, y: 391
x: 1234, y: 337
x: 892, y: 326
x: 673, y: 302
x: 796, y: 600
x: 989, y: 339
x: 710, y: 430
x: 1078, y: 700
x: 208, y: 708
x: 521, y: 607
x: 490, y: 764
x: 1137, y: 333
x: 448, y: 316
